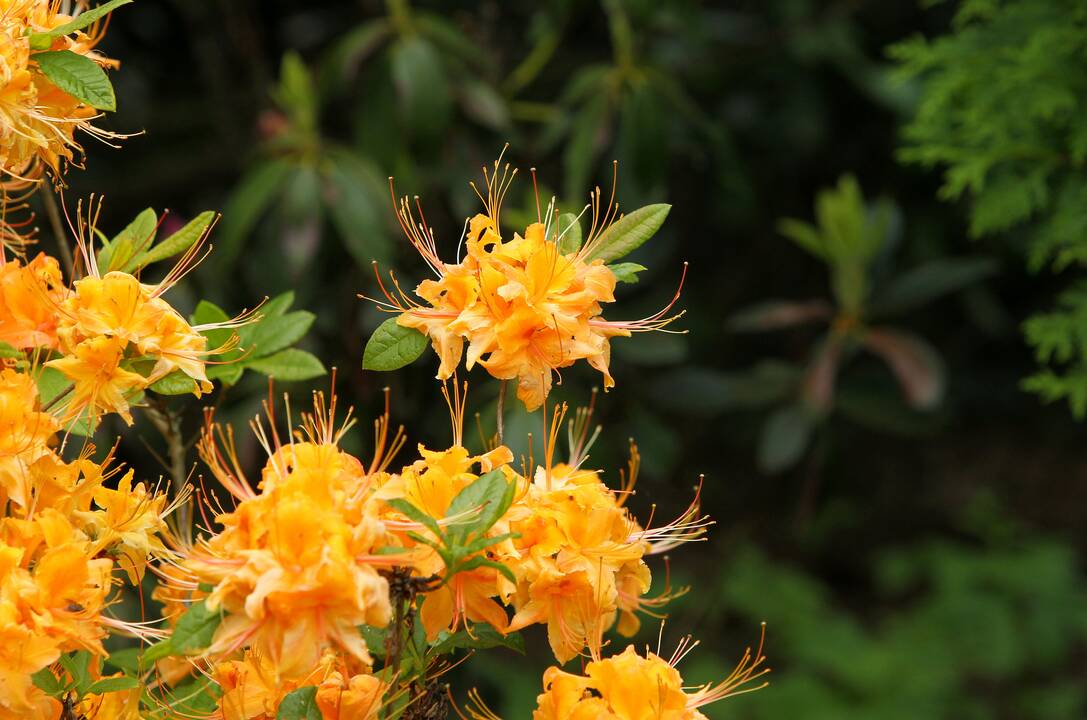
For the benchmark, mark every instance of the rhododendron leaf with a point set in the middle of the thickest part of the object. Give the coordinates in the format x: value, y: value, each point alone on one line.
x: 278, y: 305
x: 392, y: 347
x: 274, y: 333
x: 176, y: 243
x: 8, y: 351
x: 78, y: 666
x: 483, y: 543
x: 195, y: 698
x: 113, y: 684
x: 375, y: 639
x: 492, y: 494
x: 175, y: 383
x: 626, y: 272
x: 289, y: 364
x: 785, y: 437
x: 568, y: 233
x: 161, y: 649
x: 250, y: 199
x: 300, y: 704
x: 479, y: 637
x: 51, y: 383
x: 195, y: 629
x: 422, y: 86
x: 480, y: 561
x: 47, y: 682
x: 79, y: 76
x: 127, y: 660
x: 629, y: 232
x: 44, y: 40
x: 129, y: 243
x: 414, y: 514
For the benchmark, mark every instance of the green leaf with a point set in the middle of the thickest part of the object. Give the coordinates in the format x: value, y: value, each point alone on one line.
x: 629, y: 232
x: 278, y: 305
x: 51, y: 383
x: 175, y: 383
x: 290, y: 364
x: 127, y: 660
x: 156, y: 652
x: 252, y: 197
x: 492, y: 494
x: 274, y: 333
x: 627, y: 272
x: 929, y: 281
x: 79, y: 76
x: 10, y: 352
x: 568, y: 233
x: 78, y: 666
x: 176, y: 243
x: 47, y: 682
x: 194, y: 630
x: 375, y: 639
x: 196, y: 698
x: 300, y: 704
x: 129, y: 243
x: 480, y: 637
x: 482, y: 561
x: 392, y: 347
x: 785, y: 437
x: 44, y: 40
x: 113, y: 684
x: 357, y: 205
x: 421, y: 85
x: 414, y: 514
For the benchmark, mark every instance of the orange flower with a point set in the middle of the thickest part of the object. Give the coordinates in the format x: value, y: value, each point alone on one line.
x: 630, y: 686
x: 38, y: 120
x: 29, y: 295
x: 100, y: 384
x: 525, y: 308
x: 295, y: 568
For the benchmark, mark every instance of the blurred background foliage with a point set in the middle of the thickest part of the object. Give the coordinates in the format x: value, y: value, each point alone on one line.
x: 906, y: 519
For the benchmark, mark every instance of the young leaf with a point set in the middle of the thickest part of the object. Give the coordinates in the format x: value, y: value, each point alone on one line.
x: 46, y: 681
x: 626, y: 272
x: 392, y: 347
x: 274, y: 333
x: 300, y: 704
x: 79, y: 76
x: 78, y: 666
x: 129, y: 243
x: 629, y: 232
x: 176, y: 383
x: 480, y: 637
x: 194, y: 630
x: 44, y: 40
x: 491, y: 493
x: 568, y: 233
x: 113, y: 684
x: 175, y: 244
x: 290, y: 364
x: 414, y: 514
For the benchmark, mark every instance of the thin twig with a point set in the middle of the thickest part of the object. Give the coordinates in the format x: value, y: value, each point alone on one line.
x: 168, y: 423
x: 52, y: 211
x: 501, y: 413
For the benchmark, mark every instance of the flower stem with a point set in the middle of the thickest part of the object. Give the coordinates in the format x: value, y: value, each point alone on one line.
x: 52, y: 211
x: 501, y: 412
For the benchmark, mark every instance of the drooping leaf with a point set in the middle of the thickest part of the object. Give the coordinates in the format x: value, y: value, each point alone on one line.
x: 915, y: 363
x: 79, y: 76
x: 392, y: 347
x: 629, y: 232
x: 252, y: 197
x: 929, y: 281
x: 289, y: 365
x: 778, y: 314
x: 421, y: 85
x: 356, y: 204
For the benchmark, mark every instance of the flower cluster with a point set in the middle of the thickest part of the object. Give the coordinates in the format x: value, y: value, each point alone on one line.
x: 38, y: 119
x: 62, y: 536
x: 526, y: 307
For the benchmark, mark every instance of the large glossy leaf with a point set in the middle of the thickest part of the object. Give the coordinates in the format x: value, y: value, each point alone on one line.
x: 176, y: 243
x: 392, y: 346
x: 43, y: 40
x: 289, y: 365
x: 629, y: 232
x: 79, y: 76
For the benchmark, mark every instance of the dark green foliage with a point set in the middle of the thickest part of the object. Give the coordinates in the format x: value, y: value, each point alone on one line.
x: 1002, y: 113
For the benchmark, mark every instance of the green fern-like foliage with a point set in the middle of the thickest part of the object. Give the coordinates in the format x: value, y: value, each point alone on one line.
x: 1003, y: 112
